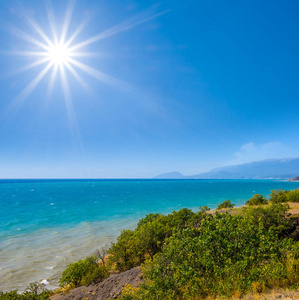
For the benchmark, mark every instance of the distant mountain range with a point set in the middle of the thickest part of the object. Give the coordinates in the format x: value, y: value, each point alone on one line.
x: 266, y: 169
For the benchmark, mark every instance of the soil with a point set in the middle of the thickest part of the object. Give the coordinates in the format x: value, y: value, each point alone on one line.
x: 109, y: 288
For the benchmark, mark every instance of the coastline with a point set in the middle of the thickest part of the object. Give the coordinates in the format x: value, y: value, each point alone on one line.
x: 49, y: 249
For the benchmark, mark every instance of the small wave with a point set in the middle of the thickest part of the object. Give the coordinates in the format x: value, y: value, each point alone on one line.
x: 44, y: 281
x: 50, y: 268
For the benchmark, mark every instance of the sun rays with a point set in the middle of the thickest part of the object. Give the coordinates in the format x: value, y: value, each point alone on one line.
x: 59, y: 55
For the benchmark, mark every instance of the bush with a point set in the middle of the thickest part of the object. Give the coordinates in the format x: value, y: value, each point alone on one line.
x: 227, y: 255
x: 134, y: 246
x: 128, y: 292
x: 273, y: 217
x: 278, y: 196
x: 225, y: 204
x: 282, y: 196
x: 257, y: 199
x: 83, y: 272
x: 148, y: 218
x: 293, y: 196
x: 188, y: 255
x: 34, y: 291
x: 196, y: 219
x: 124, y: 253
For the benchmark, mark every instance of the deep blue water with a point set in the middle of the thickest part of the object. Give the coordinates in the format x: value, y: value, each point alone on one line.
x: 52, y: 222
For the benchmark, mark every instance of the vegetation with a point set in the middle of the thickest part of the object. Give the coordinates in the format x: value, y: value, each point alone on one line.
x: 83, y: 272
x: 225, y: 204
x: 278, y: 196
x: 293, y: 196
x: 227, y: 254
x: 134, y: 246
x: 257, y: 199
x: 273, y: 217
x: 35, y: 291
x: 220, y: 255
x: 281, y: 196
x: 187, y: 255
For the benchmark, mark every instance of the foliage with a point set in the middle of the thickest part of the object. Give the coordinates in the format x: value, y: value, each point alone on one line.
x: 225, y: 204
x: 147, y: 218
x: 227, y: 254
x: 196, y: 219
x: 282, y: 196
x: 128, y: 292
x: 274, y: 216
x: 189, y: 255
x: 83, y: 272
x: 293, y: 196
x: 257, y: 199
x: 134, y: 246
x: 278, y: 196
x: 123, y: 251
x: 34, y: 291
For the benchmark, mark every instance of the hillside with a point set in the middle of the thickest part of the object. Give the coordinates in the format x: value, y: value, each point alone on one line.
x: 266, y: 169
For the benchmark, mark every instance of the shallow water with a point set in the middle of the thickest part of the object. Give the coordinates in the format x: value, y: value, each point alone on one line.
x: 46, y: 224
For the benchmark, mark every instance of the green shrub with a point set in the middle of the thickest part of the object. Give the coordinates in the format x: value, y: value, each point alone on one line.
x: 274, y: 217
x: 147, y: 218
x: 34, y: 291
x: 225, y: 204
x: 134, y: 246
x: 293, y: 196
x: 83, y: 272
x: 124, y: 253
x: 257, y: 199
x: 278, y: 196
x: 196, y: 219
x: 227, y: 254
x: 282, y: 196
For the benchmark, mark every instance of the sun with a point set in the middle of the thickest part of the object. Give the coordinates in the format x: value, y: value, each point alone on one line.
x: 59, y: 54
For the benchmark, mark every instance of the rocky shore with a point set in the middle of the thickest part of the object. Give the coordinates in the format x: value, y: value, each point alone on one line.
x: 109, y: 288
x: 294, y: 179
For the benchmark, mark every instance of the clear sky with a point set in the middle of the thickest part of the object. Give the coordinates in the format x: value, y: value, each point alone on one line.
x: 132, y: 89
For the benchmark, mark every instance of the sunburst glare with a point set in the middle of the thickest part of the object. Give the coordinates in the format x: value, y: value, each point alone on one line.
x: 59, y: 54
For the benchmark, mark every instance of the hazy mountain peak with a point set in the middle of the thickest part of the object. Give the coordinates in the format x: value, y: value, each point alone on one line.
x: 170, y: 175
x: 271, y: 168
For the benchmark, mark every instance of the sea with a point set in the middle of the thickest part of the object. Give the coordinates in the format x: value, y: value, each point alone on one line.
x: 47, y: 224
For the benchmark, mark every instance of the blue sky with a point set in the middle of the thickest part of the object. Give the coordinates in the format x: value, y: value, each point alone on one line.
x: 188, y: 86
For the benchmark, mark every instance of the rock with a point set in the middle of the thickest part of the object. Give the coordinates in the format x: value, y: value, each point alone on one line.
x: 108, y: 288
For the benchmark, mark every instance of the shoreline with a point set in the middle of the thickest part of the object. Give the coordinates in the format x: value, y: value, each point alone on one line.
x: 47, y: 251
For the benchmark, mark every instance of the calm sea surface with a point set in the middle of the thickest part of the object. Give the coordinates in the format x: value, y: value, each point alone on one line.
x: 46, y: 224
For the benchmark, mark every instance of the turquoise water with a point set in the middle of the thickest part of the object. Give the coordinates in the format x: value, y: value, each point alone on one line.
x: 46, y: 224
